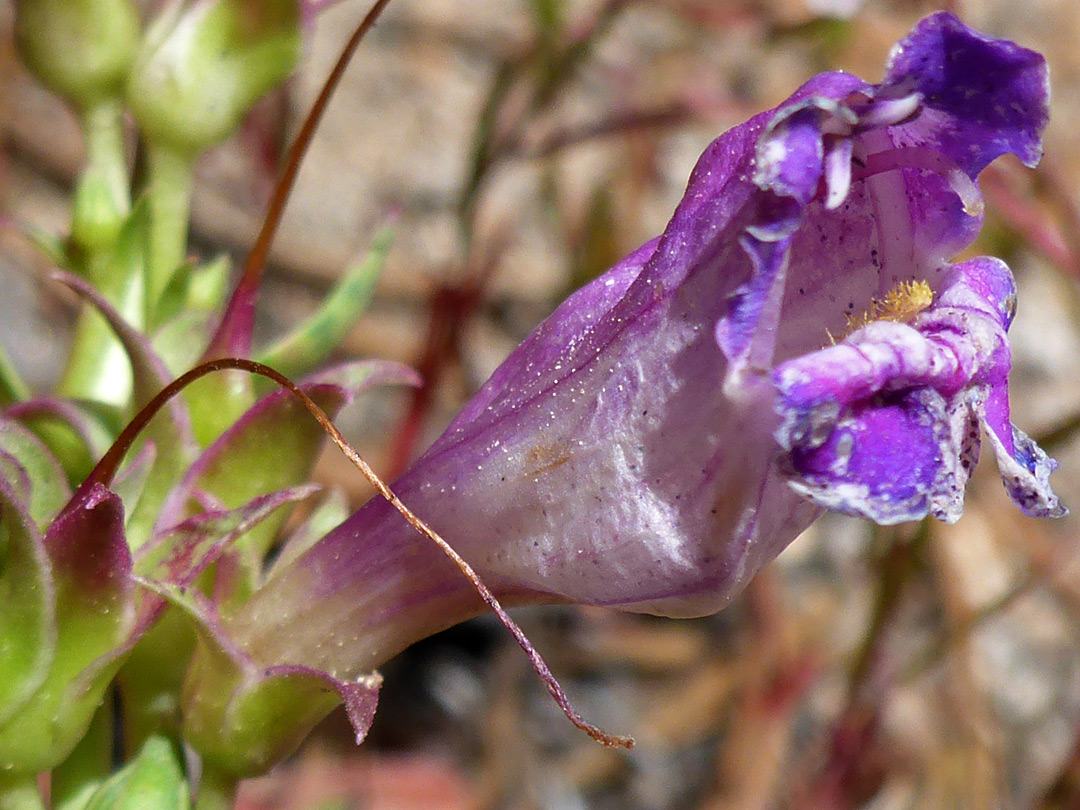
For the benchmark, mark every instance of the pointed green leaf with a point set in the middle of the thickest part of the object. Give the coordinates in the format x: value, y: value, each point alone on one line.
x: 272, y: 447
x: 216, y: 402
x: 169, y: 430
x: 12, y: 387
x: 199, y: 288
x: 74, y: 435
x: 181, y: 340
x: 313, y: 341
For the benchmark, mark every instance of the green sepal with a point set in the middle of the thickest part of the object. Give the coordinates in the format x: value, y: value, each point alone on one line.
x: 94, y: 598
x: 154, y: 780
x: 241, y: 718
x: 27, y: 606
x: 313, y: 341
x: 48, y: 487
x: 154, y: 670
x: 246, y: 722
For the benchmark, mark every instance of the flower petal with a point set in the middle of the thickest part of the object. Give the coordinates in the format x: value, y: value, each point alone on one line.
x: 886, y: 423
x: 985, y: 97
x: 624, y: 454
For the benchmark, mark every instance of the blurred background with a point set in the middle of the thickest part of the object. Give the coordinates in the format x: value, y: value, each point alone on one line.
x: 527, y: 145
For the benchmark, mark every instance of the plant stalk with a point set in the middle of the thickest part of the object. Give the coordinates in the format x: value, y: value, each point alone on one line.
x: 169, y: 194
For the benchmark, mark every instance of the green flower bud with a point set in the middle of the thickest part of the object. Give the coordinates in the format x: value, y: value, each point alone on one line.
x: 204, y: 63
x: 79, y: 49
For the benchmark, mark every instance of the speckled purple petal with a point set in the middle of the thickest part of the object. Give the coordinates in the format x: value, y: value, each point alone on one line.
x: 880, y: 460
x: 886, y: 423
x: 982, y: 97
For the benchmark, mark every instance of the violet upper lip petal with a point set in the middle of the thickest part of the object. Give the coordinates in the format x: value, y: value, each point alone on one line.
x: 625, y: 453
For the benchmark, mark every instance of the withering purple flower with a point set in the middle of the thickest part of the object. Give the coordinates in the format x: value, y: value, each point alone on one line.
x: 795, y: 340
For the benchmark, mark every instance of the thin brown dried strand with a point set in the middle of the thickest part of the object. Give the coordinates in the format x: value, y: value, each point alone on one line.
x: 106, y: 469
x: 255, y: 264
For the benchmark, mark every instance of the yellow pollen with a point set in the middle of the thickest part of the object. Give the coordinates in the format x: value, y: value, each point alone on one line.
x: 900, y: 305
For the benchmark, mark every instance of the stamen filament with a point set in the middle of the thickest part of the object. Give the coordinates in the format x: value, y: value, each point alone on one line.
x: 925, y: 159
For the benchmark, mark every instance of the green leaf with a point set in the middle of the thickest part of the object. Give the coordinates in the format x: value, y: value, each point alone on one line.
x: 216, y: 402
x: 275, y: 444
x: 182, y: 340
x: 169, y: 430
x: 195, y: 288
x: 76, y: 437
x: 313, y: 341
x: 271, y: 447
x: 12, y: 387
